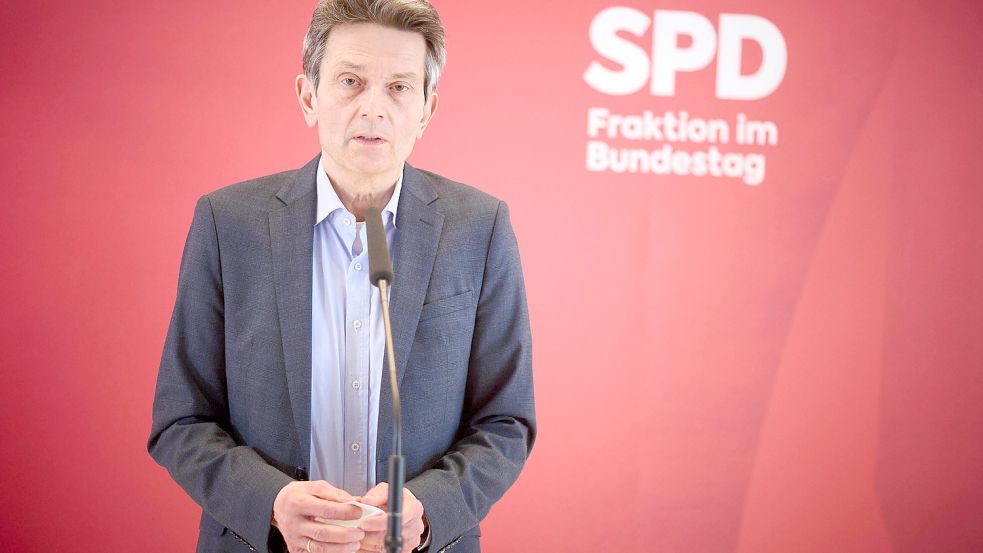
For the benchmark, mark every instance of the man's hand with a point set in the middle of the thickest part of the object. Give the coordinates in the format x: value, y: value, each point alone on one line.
x: 296, y: 506
x: 375, y: 527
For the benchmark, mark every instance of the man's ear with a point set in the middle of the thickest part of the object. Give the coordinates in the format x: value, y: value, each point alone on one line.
x: 429, y: 109
x: 307, y: 99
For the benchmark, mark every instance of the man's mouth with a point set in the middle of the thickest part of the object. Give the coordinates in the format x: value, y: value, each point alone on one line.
x: 369, y: 139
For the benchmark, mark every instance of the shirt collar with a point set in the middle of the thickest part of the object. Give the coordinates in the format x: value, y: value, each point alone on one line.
x: 328, y: 200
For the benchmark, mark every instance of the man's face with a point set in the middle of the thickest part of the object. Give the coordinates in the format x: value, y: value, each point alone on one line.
x: 369, y: 106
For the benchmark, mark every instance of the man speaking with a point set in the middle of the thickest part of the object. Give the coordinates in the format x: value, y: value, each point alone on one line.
x: 270, y: 410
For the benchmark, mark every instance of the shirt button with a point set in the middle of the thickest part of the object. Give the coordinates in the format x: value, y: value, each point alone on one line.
x: 355, y: 447
x: 358, y: 266
x: 357, y: 324
x: 348, y: 221
x: 356, y: 384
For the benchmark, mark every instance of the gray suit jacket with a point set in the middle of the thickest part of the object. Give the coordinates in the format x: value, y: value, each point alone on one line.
x: 231, y: 414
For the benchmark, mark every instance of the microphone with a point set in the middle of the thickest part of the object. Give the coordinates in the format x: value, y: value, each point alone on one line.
x: 381, y: 275
x: 380, y: 268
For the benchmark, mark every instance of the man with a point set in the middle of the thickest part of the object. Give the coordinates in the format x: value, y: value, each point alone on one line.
x: 272, y: 369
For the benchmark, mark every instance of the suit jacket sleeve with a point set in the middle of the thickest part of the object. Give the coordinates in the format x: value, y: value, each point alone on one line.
x: 190, y: 435
x: 498, y: 424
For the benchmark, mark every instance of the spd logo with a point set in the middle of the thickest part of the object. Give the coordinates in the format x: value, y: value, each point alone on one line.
x: 669, y: 58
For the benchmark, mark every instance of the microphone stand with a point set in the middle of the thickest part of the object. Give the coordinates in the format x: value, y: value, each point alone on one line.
x: 381, y: 275
x: 397, y: 468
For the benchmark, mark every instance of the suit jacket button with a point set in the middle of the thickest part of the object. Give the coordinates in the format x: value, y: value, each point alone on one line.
x: 300, y: 473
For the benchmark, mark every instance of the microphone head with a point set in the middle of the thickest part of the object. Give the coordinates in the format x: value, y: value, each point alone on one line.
x: 380, y: 267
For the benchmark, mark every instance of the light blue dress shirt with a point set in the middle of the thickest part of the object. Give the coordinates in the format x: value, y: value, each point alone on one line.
x: 348, y: 344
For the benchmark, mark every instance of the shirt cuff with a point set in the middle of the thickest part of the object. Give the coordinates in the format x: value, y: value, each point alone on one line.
x: 425, y: 541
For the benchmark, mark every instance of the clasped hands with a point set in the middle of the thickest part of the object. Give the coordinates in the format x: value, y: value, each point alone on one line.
x: 299, y: 502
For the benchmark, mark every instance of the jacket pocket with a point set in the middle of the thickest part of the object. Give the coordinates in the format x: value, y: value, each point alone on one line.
x: 210, y: 526
x: 446, y: 305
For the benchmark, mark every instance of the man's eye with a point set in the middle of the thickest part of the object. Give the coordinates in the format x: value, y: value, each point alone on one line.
x: 400, y: 87
x: 349, y: 81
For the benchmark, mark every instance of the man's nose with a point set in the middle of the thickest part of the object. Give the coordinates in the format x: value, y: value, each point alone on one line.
x: 372, y: 103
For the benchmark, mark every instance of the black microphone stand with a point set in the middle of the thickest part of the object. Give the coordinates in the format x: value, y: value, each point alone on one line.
x: 397, y: 468
x: 381, y: 275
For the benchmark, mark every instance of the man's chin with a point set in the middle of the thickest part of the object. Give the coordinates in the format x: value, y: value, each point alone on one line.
x: 375, y: 170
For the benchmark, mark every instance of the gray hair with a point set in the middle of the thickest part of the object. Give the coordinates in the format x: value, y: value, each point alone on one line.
x: 417, y: 16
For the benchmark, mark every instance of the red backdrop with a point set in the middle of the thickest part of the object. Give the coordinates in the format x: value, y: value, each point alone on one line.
x: 788, y: 366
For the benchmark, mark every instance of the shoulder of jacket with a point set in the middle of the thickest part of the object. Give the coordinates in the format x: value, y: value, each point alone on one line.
x: 457, y: 198
x: 251, y: 195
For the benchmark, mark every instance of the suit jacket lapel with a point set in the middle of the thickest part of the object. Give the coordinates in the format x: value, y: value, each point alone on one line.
x: 291, y: 240
x: 418, y: 227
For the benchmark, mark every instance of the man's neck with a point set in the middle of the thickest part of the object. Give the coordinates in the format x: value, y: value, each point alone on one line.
x: 360, y: 192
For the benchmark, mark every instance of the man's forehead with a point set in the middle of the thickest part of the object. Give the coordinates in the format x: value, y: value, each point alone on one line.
x: 374, y: 47
x: 347, y: 65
